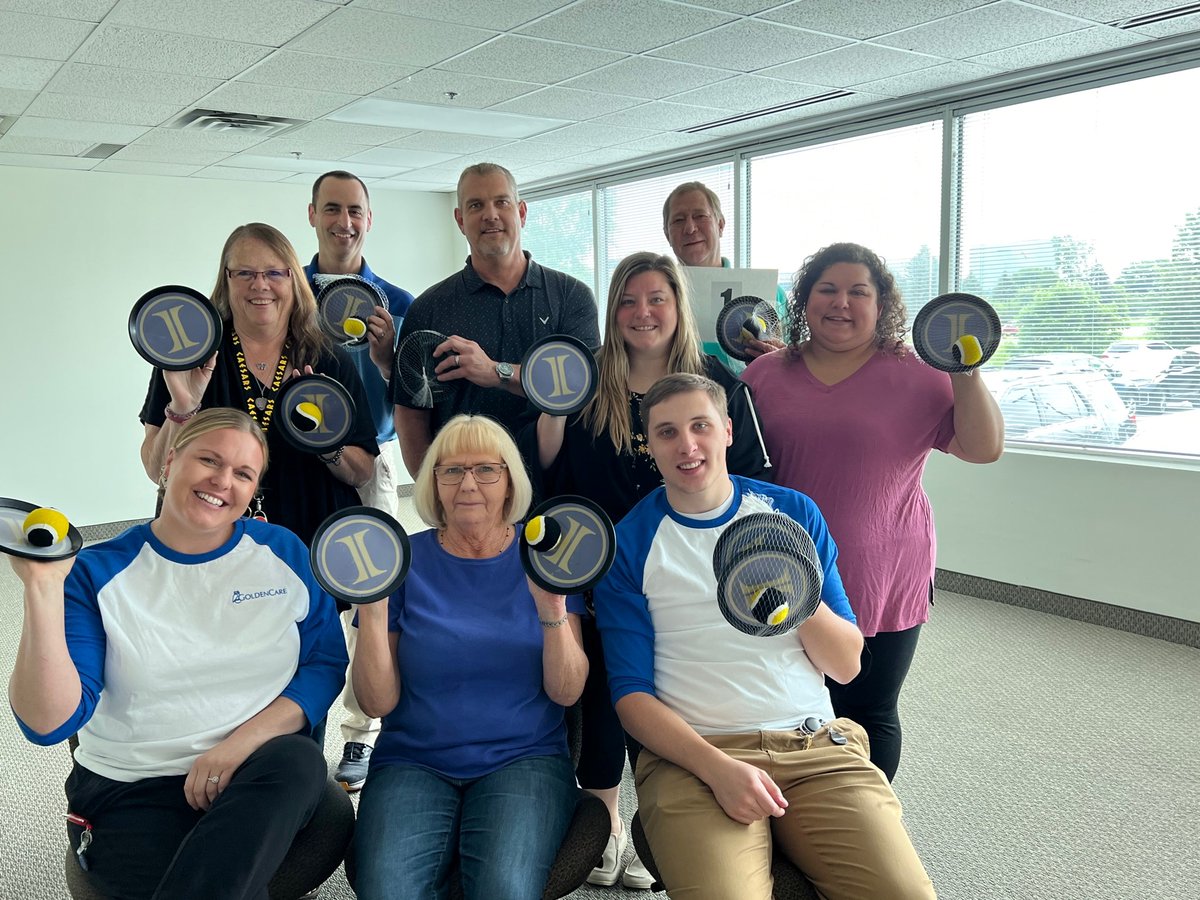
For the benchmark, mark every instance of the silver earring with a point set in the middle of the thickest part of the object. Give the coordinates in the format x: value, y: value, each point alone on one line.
x: 257, y: 512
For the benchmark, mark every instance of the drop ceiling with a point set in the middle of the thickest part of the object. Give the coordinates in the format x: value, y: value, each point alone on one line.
x: 408, y: 92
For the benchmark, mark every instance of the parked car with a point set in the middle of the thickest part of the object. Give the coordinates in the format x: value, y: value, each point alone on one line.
x: 1180, y: 383
x: 1064, y: 362
x: 1060, y: 407
x: 1139, y: 359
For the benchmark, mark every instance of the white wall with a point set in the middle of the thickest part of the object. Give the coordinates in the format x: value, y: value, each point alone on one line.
x: 78, y: 249
x: 1115, y: 532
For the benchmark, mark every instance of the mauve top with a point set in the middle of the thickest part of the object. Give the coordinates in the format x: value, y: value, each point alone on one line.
x: 858, y: 449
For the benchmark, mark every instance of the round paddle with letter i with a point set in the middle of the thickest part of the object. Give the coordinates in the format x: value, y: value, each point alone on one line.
x: 956, y: 333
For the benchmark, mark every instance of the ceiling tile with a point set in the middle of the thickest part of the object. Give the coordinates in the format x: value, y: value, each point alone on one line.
x: 448, y: 142
x: 368, y: 135
x: 39, y: 161
x: 288, y: 145
x: 743, y: 7
x: 531, y: 151
x: 229, y: 173
x: 325, y: 73
x: 866, y: 20
x: 1179, y: 25
x: 748, y: 45
x: 26, y: 73
x: 564, y: 103
x: 633, y: 26
x: 482, y: 13
x: 161, y: 51
x: 646, y: 77
x: 587, y: 136
x: 606, y: 156
x: 131, y: 84
x: 670, y: 140
x: 365, y: 34
x: 789, y: 116
x: 1107, y: 10
x: 269, y: 100
x: 401, y: 157
x: 526, y: 59
x: 97, y: 109
x: 993, y: 27
x: 146, y: 168
x: 1059, y: 47
x: 83, y: 10
x: 926, y: 79
x: 41, y: 37
x: 662, y: 116
x: 11, y: 143
x: 14, y: 102
x: 269, y: 22
x: 196, y: 157
x: 432, y: 86
x: 394, y: 184
x: 232, y: 141
x: 748, y: 92
x: 71, y: 130
x: 851, y: 65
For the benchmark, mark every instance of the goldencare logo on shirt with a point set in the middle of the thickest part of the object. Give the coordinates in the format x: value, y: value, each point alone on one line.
x: 239, y: 597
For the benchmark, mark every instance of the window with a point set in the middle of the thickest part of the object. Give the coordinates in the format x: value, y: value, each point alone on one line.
x: 882, y: 191
x: 1080, y: 222
x: 558, y: 233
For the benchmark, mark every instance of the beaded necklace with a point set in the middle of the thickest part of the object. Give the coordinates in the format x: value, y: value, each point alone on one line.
x: 265, y: 401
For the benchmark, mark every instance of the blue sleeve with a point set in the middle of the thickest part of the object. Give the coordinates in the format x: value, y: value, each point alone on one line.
x: 86, y: 644
x: 623, y: 613
x: 321, y: 668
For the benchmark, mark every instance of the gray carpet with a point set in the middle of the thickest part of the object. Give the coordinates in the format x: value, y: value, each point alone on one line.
x: 1044, y: 758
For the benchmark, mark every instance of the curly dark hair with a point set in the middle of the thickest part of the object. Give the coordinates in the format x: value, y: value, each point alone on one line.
x: 891, y: 327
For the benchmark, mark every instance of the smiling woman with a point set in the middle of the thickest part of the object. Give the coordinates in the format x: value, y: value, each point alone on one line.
x: 193, y: 657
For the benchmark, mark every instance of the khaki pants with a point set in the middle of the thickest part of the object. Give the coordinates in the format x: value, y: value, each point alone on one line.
x: 842, y: 826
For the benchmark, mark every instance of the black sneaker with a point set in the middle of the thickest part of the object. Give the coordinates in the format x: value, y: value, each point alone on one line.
x: 352, y: 771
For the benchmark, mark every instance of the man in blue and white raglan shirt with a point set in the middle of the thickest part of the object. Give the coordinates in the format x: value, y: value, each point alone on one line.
x: 739, y: 752
x: 340, y: 212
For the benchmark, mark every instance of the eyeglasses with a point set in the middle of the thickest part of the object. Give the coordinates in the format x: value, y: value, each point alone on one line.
x: 248, y: 275
x: 483, y: 473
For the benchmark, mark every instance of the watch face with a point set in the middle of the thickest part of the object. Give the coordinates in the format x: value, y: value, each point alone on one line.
x: 504, y: 370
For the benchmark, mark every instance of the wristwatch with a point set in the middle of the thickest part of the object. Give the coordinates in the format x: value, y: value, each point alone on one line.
x: 504, y: 371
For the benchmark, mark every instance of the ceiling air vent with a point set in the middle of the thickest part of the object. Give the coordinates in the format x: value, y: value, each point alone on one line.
x: 215, y: 121
x: 759, y: 113
x: 1161, y: 16
x: 101, y: 151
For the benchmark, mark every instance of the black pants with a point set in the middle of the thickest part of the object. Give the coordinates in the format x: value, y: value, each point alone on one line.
x: 148, y: 843
x: 872, y: 699
x: 602, y: 754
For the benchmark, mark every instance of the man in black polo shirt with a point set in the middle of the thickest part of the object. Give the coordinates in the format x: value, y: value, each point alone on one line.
x: 492, y: 312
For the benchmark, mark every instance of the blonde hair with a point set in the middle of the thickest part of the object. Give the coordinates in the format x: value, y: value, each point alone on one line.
x: 217, y: 419
x: 308, y: 341
x: 608, y: 413
x: 466, y: 434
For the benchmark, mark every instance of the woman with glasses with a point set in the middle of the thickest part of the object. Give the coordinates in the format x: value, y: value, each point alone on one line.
x: 193, y: 656
x: 270, y: 334
x: 470, y: 666
x: 602, y: 454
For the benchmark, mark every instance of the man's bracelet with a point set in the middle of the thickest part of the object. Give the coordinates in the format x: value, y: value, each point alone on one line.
x: 556, y: 624
x: 179, y: 418
x: 334, y: 459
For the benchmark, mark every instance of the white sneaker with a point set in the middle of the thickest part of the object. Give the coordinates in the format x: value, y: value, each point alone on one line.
x: 637, y: 877
x: 609, y: 870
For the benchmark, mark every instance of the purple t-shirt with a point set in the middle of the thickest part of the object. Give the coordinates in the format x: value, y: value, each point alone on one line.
x: 858, y: 448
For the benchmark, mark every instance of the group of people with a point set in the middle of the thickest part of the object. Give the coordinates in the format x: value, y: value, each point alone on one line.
x: 195, y: 712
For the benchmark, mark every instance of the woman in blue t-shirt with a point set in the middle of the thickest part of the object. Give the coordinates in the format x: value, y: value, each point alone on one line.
x: 470, y: 667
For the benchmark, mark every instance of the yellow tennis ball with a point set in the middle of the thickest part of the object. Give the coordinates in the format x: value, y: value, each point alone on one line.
x: 753, y: 328
x: 45, y: 527
x: 967, y: 350
x: 769, y: 606
x: 542, y: 533
x: 307, y: 416
x: 354, y: 327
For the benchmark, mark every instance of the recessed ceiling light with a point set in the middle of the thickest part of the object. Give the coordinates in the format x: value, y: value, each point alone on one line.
x: 456, y: 119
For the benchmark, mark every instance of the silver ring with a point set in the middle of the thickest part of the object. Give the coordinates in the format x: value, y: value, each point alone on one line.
x: 457, y: 364
x: 214, y: 779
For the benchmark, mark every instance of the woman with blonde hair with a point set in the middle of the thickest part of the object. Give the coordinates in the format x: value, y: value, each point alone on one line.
x: 193, y: 656
x: 470, y: 666
x: 602, y: 454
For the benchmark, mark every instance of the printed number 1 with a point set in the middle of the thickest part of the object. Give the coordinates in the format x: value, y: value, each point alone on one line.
x: 727, y: 294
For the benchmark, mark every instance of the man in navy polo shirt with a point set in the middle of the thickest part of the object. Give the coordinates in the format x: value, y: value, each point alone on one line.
x: 340, y: 212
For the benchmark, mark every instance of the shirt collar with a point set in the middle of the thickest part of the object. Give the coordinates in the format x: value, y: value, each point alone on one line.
x: 533, y: 276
